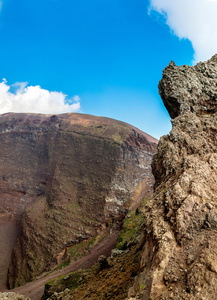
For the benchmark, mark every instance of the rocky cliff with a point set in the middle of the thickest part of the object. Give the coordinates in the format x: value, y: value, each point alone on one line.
x: 62, y: 177
x: 180, y: 245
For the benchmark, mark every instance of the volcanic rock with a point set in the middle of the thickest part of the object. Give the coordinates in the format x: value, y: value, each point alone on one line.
x: 12, y: 296
x: 62, y: 177
x: 180, y: 248
x: 190, y: 89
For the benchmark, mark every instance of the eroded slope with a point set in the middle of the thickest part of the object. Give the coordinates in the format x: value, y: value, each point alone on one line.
x: 62, y: 177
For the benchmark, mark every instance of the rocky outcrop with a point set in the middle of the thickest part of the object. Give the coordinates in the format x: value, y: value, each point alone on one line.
x: 12, y: 296
x: 62, y: 177
x: 180, y: 245
x: 190, y: 89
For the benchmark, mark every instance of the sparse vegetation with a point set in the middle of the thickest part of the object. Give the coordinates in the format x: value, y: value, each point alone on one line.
x: 76, y: 251
x: 108, y: 283
x: 131, y: 229
x: 62, y: 265
x: 60, y: 283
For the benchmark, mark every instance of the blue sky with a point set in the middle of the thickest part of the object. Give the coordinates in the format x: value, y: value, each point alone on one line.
x: 100, y: 57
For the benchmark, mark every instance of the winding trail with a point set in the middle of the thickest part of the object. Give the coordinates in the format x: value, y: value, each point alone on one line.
x: 34, y: 290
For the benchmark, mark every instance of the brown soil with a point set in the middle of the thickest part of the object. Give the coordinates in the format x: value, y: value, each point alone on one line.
x: 34, y: 290
x: 8, y: 235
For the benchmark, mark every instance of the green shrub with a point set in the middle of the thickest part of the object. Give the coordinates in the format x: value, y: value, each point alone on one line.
x: 122, y: 246
x: 137, y: 211
x: 120, y: 239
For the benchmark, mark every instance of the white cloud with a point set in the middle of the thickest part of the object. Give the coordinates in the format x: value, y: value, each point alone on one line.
x: 1, y: 5
x: 194, y: 20
x: 76, y: 98
x: 34, y: 99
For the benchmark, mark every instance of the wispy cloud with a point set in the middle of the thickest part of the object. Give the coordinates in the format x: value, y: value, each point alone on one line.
x: 191, y: 19
x: 1, y: 3
x: 20, y: 97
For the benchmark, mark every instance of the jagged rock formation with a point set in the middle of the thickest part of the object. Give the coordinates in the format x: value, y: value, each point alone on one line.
x: 180, y: 246
x: 62, y: 177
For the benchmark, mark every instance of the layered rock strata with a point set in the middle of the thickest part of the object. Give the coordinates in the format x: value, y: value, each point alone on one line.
x: 180, y: 244
x: 62, y: 177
